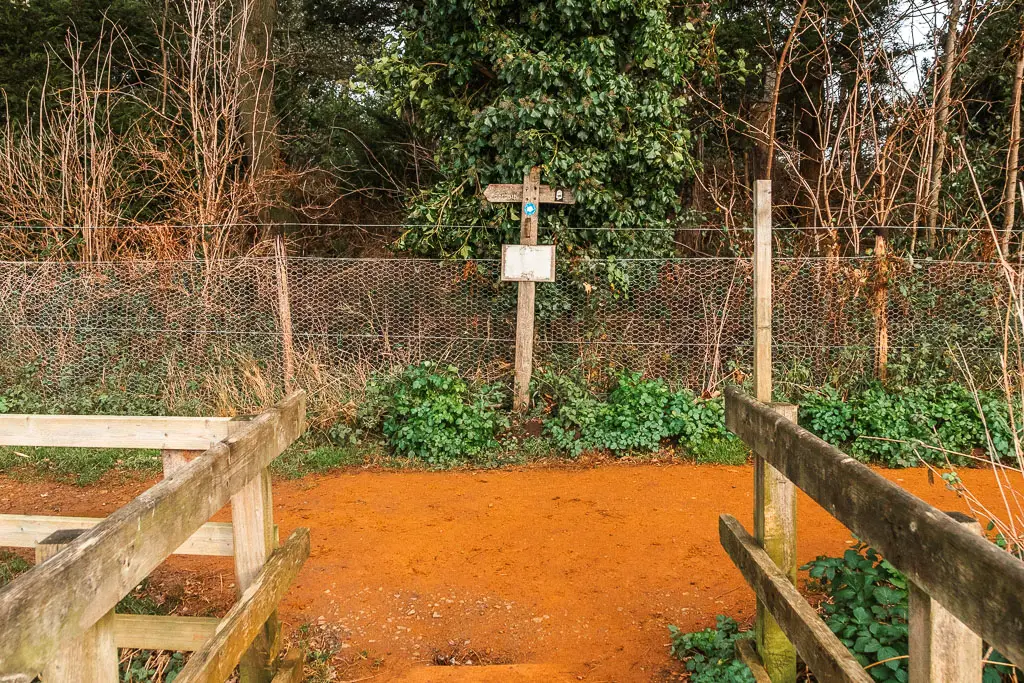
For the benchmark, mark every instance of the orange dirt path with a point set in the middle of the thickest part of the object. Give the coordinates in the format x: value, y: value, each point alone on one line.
x: 580, y: 568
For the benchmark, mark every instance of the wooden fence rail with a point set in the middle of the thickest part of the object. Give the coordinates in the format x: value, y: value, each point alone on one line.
x: 116, y: 431
x: 979, y: 584
x: 55, y: 604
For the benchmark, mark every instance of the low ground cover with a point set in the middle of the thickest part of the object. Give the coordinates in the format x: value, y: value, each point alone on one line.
x: 863, y: 600
x: 435, y: 416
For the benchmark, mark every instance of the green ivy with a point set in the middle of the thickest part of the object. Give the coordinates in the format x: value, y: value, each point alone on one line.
x: 710, y: 655
x: 889, y: 427
x: 866, y: 606
x: 431, y: 413
x: 595, y: 92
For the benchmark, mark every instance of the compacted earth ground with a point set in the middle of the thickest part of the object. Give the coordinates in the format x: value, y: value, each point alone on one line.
x: 567, y: 574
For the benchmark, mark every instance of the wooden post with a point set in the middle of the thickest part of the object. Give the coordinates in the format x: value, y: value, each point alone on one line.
x: 284, y: 312
x: 881, y: 308
x: 942, y: 648
x: 93, y: 655
x: 763, y: 291
x: 531, y: 194
x: 174, y: 459
x: 253, y: 531
x: 774, y: 495
x: 527, y: 291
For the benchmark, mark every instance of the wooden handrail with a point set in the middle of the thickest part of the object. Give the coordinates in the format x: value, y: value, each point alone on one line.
x: 977, y: 582
x: 824, y: 653
x: 63, y: 597
x: 217, y: 659
x: 116, y: 431
x: 24, y: 531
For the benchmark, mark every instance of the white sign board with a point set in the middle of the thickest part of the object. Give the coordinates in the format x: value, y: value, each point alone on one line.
x: 526, y: 263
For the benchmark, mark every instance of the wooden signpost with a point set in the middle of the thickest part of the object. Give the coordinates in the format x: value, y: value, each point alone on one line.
x: 531, y: 194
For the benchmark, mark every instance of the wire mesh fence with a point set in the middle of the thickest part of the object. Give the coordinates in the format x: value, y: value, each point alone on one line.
x: 201, y: 336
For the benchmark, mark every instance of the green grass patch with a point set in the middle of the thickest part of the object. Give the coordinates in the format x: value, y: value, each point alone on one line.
x: 10, y: 566
x: 302, y: 459
x: 79, y: 466
x: 721, y: 452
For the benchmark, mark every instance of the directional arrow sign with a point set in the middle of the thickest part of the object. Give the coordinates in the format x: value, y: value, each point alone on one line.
x: 501, y: 193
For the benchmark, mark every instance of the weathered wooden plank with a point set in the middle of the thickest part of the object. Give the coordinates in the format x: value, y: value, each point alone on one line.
x: 763, y: 290
x: 116, y: 431
x: 748, y: 655
x: 92, y: 656
x: 252, y: 516
x: 509, y: 193
x: 219, y: 656
x: 65, y: 596
x: 774, y: 495
x: 159, y: 632
x: 525, y: 308
x: 942, y: 648
x: 775, y: 531
x: 980, y: 584
x: 174, y: 459
x: 826, y: 656
x: 24, y: 531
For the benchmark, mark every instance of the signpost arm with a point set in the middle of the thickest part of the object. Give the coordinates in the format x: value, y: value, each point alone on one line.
x: 524, y: 315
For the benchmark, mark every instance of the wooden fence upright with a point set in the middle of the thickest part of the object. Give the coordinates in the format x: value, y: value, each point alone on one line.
x: 774, y: 495
x: 59, y: 618
x: 526, y: 308
x: 964, y: 589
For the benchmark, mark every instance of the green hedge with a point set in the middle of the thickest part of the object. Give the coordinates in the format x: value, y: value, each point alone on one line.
x: 894, y: 427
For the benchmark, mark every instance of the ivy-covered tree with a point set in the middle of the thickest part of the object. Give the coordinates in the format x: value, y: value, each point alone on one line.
x: 593, y: 91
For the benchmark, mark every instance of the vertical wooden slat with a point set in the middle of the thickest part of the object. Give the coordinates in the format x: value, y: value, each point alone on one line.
x: 284, y: 312
x: 527, y: 292
x: 253, y: 524
x: 881, y: 308
x: 774, y: 495
x: 942, y: 648
x: 93, y: 655
x: 175, y: 459
x: 763, y: 291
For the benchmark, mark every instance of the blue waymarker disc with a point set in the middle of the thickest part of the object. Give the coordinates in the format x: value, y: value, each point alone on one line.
x: 530, y: 208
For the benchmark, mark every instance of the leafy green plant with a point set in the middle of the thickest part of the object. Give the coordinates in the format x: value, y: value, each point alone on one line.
x: 637, y: 415
x: 896, y: 427
x: 699, y: 424
x: 431, y: 413
x: 710, y: 655
x: 597, y: 95
x: 866, y: 606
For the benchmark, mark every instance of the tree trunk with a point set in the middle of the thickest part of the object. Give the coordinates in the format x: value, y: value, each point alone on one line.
x: 808, y: 139
x: 942, y: 117
x: 1012, y: 155
x: 256, y: 90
